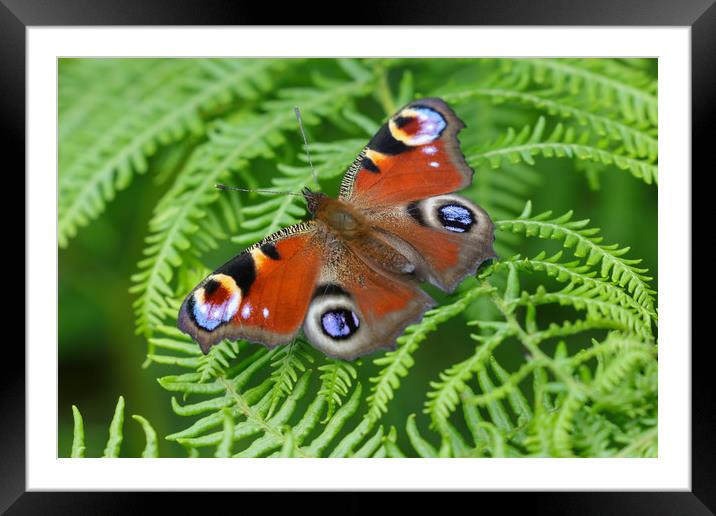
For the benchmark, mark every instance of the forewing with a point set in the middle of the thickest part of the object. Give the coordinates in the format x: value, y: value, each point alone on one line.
x: 261, y: 295
x: 414, y: 155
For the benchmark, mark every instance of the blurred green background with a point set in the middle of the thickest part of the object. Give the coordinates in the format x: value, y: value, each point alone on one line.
x: 101, y: 357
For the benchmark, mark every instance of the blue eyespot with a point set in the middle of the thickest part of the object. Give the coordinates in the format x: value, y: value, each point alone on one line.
x: 215, y: 303
x: 432, y: 125
x: 456, y: 217
x: 339, y: 323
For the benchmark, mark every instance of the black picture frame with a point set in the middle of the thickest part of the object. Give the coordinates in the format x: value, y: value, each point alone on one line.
x: 700, y: 15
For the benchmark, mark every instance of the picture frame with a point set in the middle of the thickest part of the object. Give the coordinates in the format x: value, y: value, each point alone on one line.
x: 17, y: 16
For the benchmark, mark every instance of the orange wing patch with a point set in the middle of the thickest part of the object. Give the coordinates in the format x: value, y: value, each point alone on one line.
x: 415, y: 155
x: 261, y: 295
x: 278, y: 298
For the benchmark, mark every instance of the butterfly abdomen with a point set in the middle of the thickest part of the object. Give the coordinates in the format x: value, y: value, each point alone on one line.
x: 381, y: 255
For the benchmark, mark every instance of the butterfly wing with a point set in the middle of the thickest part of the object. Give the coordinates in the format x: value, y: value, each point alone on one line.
x: 356, y: 310
x: 402, y: 182
x: 261, y: 295
x: 414, y: 155
x: 447, y: 237
x: 298, y: 276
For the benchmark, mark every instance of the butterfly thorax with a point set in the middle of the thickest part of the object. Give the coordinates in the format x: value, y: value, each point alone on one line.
x: 340, y: 217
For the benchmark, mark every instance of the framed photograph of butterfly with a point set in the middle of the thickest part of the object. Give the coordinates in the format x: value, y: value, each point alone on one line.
x: 359, y: 257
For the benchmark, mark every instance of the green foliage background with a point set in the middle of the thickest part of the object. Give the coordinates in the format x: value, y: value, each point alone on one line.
x: 551, y: 351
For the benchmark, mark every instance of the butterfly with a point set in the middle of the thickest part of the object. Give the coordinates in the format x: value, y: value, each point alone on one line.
x: 351, y: 275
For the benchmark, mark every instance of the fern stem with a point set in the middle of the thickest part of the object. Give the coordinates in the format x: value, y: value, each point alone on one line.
x: 254, y: 416
x: 531, y: 342
x: 248, y: 411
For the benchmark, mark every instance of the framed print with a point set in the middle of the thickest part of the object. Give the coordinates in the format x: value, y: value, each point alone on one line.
x: 419, y: 258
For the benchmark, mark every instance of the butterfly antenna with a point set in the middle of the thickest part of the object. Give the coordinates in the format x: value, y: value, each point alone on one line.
x: 308, y: 154
x: 225, y: 187
x: 305, y: 141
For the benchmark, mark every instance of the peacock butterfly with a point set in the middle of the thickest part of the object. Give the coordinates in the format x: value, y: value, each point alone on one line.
x: 351, y: 274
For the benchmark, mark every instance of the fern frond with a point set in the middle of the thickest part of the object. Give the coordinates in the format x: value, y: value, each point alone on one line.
x: 396, y: 364
x: 575, y: 274
x: 336, y: 379
x: 269, y: 422
x: 633, y: 95
x: 638, y: 142
x: 288, y: 361
x: 631, y: 353
x: 103, y: 149
x: 114, y: 441
x: 445, y: 396
x: 592, y: 299
x: 586, y: 244
x: 516, y: 147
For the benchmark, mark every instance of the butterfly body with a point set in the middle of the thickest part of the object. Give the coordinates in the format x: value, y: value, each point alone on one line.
x: 339, y: 221
x: 351, y: 275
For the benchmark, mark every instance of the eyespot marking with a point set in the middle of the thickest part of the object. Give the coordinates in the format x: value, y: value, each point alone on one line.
x: 456, y: 217
x: 417, y: 125
x: 216, y: 302
x: 339, y: 323
x: 402, y: 121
